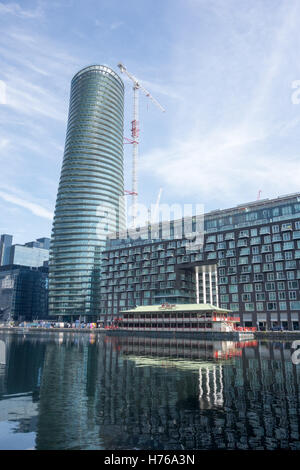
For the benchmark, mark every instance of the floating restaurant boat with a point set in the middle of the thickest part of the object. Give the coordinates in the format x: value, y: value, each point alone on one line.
x: 200, y: 320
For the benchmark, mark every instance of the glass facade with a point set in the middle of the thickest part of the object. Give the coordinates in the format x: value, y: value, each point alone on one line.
x: 28, y: 256
x: 90, y: 195
x: 23, y: 293
x: 5, y: 246
x: 33, y: 254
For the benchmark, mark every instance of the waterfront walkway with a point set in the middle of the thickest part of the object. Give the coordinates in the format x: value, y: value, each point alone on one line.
x: 274, y: 335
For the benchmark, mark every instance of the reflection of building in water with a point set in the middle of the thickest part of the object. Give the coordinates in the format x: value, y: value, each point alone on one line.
x: 21, y: 410
x: 2, y: 352
x: 19, y: 381
x: 97, y: 392
x: 211, y: 386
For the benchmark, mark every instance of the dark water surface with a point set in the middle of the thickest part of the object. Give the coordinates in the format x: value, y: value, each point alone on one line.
x: 90, y: 391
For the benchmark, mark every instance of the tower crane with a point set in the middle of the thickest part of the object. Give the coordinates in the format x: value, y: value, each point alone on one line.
x: 135, y: 135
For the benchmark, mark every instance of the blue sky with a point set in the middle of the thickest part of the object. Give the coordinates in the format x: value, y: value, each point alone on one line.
x: 223, y: 69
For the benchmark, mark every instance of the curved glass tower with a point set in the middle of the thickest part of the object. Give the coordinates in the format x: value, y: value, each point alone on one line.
x: 90, y: 193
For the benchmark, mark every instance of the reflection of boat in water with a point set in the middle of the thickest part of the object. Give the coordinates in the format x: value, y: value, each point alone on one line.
x: 178, y: 352
x: 182, y: 320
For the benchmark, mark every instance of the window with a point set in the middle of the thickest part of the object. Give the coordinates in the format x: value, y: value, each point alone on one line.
x: 249, y: 307
x: 296, y: 235
x: 268, y: 267
x: 290, y: 265
x: 264, y: 230
x: 251, y: 216
x: 244, y: 278
x: 286, y: 236
x: 290, y: 275
x: 271, y: 306
x: 266, y: 249
x: 246, y: 297
x: 233, y: 289
x: 229, y: 236
x: 286, y: 210
x: 244, y: 233
x: 260, y: 296
x: 272, y: 295
x: 234, y: 307
x: 297, y: 207
x: 293, y: 285
x: 292, y: 295
x: 221, y: 246
x: 248, y: 288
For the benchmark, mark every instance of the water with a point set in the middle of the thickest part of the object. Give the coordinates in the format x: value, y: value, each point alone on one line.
x: 82, y: 391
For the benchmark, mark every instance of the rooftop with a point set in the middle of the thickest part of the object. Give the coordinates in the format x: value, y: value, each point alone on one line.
x: 177, y: 307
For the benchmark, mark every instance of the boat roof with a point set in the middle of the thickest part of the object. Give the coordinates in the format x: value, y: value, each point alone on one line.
x: 177, y: 307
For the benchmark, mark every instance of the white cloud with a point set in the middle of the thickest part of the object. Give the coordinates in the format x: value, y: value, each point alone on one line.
x: 35, y: 209
x: 222, y: 167
x: 16, y: 10
x: 116, y: 25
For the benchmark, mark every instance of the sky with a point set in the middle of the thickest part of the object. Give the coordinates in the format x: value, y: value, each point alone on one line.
x: 226, y: 71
